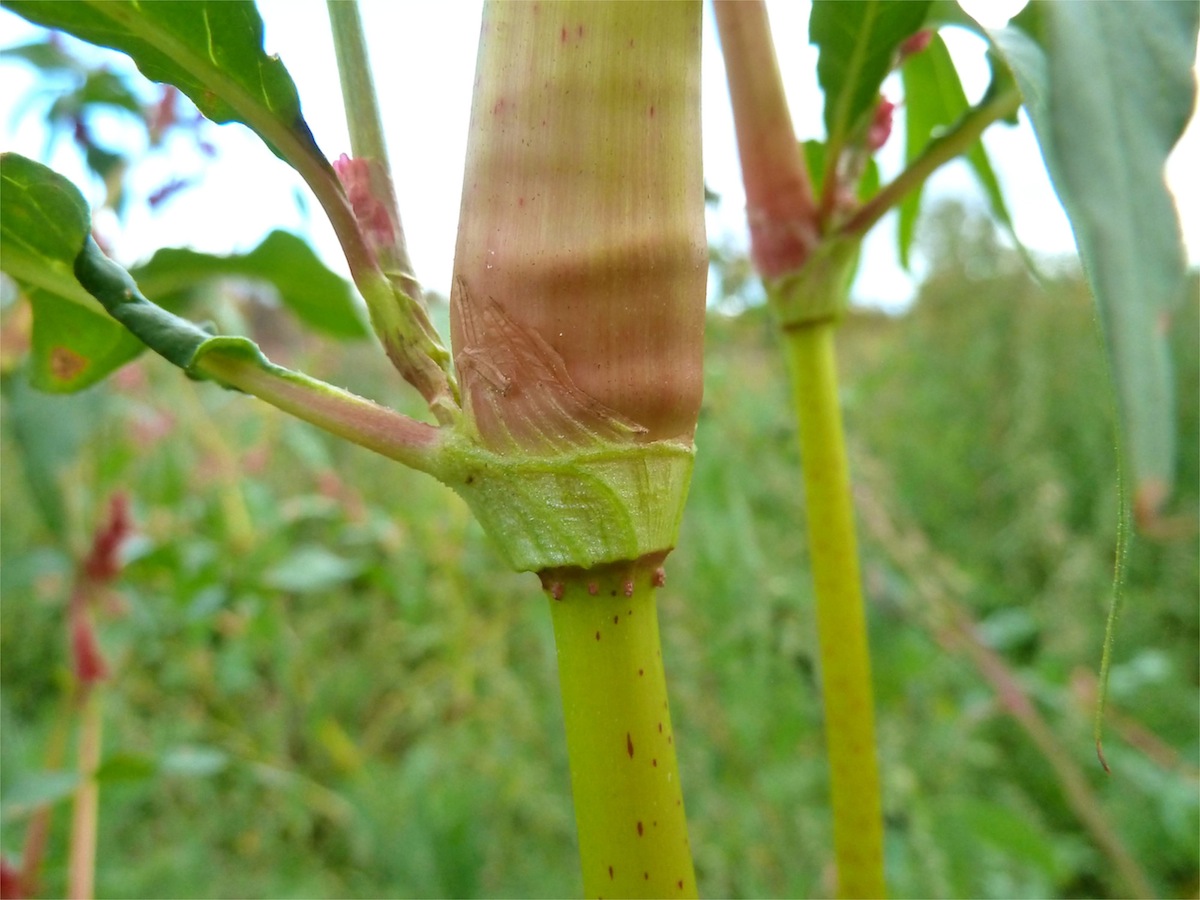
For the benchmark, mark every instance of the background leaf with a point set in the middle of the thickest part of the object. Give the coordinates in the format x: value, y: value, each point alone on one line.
x: 318, y: 297
x: 212, y: 51
x: 933, y: 100
x: 857, y: 44
x: 1109, y: 87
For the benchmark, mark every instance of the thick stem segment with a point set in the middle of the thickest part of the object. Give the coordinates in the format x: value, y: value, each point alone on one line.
x: 841, y: 621
x: 628, y: 804
x: 577, y: 310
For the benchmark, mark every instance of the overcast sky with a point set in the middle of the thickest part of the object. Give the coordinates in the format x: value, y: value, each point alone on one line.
x: 424, y: 57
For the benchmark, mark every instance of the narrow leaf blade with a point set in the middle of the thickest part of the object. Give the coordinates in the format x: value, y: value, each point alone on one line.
x: 1109, y: 88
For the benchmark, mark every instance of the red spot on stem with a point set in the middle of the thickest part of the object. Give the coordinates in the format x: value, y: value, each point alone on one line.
x: 654, y: 762
x: 629, y: 744
x: 629, y: 588
x: 610, y: 871
x: 593, y: 588
x: 641, y: 672
x: 597, y: 635
x: 639, y: 829
x: 660, y: 577
x: 616, y: 619
x: 652, y: 111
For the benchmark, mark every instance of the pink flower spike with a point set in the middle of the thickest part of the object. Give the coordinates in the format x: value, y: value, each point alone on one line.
x: 90, y: 667
x: 104, y: 562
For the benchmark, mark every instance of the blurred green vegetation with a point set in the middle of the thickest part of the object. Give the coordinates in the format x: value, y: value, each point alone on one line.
x: 326, y: 684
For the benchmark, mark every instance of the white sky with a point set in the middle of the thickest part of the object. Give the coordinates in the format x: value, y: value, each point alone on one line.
x: 424, y: 56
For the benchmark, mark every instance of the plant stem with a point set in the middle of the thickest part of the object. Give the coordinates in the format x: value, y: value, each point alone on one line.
x: 81, y: 866
x: 628, y: 803
x: 937, y: 153
x: 841, y: 622
x: 366, y: 130
x: 780, y: 208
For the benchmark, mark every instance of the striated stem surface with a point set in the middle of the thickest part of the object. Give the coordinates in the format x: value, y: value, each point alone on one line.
x: 582, y: 224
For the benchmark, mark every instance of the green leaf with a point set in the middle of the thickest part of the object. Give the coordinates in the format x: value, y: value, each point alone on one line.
x: 318, y: 297
x: 1109, y: 88
x: 933, y: 101
x: 311, y: 568
x: 34, y: 789
x: 44, y: 221
x: 857, y: 43
x: 210, y: 49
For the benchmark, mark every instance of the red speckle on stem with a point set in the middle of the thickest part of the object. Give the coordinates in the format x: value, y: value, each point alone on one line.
x: 652, y: 111
x: 660, y: 727
x: 520, y: 201
x: 562, y: 35
x: 597, y: 635
x: 659, y: 578
x: 593, y: 588
x: 556, y: 590
x: 616, y: 619
x: 579, y: 31
x: 610, y: 872
x: 639, y: 829
x: 641, y: 672
x: 645, y: 876
x: 654, y: 762
x: 679, y: 884
x: 629, y: 744
x: 629, y: 588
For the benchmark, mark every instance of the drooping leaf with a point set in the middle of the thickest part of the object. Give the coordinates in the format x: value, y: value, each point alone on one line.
x: 44, y: 221
x: 210, y: 49
x: 1109, y: 88
x: 857, y: 43
x: 318, y: 297
x: 933, y: 101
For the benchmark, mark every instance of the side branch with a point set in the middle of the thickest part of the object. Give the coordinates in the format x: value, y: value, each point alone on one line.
x: 937, y: 153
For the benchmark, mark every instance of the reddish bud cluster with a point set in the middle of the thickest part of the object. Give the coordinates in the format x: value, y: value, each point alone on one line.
x: 880, y: 128
x: 89, y: 664
x: 370, y: 213
x: 10, y: 881
x: 917, y: 43
x: 103, y: 563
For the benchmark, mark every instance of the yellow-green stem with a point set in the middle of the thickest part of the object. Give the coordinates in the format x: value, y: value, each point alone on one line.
x: 628, y: 803
x: 841, y: 621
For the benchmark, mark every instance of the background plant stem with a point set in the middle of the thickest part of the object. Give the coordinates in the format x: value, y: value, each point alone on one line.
x: 628, y: 803
x: 841, y: 623
x: 81, y: 867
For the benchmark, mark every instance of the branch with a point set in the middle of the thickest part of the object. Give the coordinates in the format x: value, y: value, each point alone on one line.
x: 939, y: 151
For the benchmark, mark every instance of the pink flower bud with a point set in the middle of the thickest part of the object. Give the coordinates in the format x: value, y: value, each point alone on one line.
x: 371, y: 214
x: 917, y: 43
x: 10, y: 881
x: 90, y: 667
x: 880, y: 128
x: 104, y: 562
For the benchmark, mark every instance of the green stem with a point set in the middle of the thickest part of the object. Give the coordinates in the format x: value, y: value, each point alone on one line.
x: 937, y: 153
x: 628, y: 803
x: 841, y: 622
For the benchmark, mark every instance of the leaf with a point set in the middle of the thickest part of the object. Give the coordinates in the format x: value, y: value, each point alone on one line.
x: 34, y: 789
x: 210, y: 49
x: 814, y: 159
x: 44, y: 221
x: 318, y: 297
x: 311, y: 568
x: 857, y: 44
x: 933, y: 101
x: 1109, y: 88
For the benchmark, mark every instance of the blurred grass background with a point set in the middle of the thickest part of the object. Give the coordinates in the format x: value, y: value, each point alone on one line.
x: 326, y: 683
